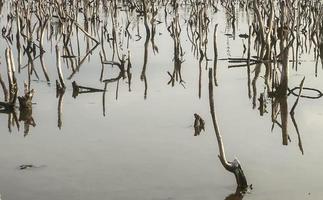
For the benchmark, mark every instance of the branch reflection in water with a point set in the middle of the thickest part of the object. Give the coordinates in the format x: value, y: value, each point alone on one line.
x: 103, y: 36
x: 279, y: 28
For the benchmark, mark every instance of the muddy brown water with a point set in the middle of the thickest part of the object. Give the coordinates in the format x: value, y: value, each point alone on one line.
x: 144, y: 148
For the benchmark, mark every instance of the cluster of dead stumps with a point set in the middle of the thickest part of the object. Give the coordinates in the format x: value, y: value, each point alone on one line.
x: 281, y: 31
x: 8, y: 106
x: 277, y: 30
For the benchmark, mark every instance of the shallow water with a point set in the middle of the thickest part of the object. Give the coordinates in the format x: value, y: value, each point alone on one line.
x: 144, y: 148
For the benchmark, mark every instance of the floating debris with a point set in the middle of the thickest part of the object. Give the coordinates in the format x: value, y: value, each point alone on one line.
x: 23, y: 167
x: 30, y: 166
x: 199, y: 125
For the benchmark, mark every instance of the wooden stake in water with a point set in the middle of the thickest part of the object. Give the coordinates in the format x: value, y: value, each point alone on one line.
x: 59, y: 69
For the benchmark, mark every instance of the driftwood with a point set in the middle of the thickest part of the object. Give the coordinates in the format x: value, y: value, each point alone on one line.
x: 234, y: 166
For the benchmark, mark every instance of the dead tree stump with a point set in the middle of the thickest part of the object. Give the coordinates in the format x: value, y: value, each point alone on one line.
x: 235, y: 166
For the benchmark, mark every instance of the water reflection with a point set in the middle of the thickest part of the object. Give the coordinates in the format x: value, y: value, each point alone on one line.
x: 272, y: 40
x: 175, y: 31
x: 235, y: 196
x: 12, y: 116
x: 60, y: 91
x: 143, y: 76
x: 275, y: 91
x: 25, y: 113
x: 275, y: 41
x: 116, y: 34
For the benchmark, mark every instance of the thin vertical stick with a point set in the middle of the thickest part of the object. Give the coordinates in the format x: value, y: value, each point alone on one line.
x: 292, y: 111
x: 215, y: 124
x: 9, y: 70
x: 102, y: 66
x: 215, y: 61
x: 103, y: 97
x: 60, y: 109
x: 248, y: 64
x: 4, y: 88
x: 59, y: 70
x: 233, y: 167
x: 292, y: 114
x: 12, y: 65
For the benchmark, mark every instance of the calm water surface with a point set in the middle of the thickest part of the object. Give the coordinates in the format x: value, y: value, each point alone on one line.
x: 144, y: 148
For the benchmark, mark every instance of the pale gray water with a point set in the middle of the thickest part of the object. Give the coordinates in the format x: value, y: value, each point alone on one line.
x: 144, y: 148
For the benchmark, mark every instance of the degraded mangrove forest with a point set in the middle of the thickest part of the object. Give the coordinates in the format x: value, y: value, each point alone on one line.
x: 161, y: 99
